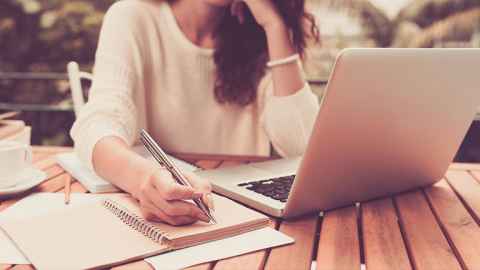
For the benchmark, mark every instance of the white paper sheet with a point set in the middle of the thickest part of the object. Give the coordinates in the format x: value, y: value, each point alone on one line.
x: 9, y: 254
x: 35, y: 205
x: 221, y: 249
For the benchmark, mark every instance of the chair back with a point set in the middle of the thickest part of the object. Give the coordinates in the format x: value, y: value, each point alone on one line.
x: 75, y: 77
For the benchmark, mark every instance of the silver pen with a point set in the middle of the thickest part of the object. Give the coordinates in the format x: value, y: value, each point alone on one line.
x: 163, y: 159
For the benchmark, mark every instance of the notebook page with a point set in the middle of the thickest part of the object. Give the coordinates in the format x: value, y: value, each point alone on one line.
x: 37, y: 204
x: 9, y: 253
x: 83, y: 237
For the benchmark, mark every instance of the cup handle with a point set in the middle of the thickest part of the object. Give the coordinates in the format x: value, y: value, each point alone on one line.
x: 28, y: 154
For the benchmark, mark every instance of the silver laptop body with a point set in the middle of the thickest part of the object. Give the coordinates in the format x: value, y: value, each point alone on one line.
x: 391, y: 120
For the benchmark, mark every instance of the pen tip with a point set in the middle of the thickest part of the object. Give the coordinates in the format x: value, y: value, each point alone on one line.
x: 213, y: 220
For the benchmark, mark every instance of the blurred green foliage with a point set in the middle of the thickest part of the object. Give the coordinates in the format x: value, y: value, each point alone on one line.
x: 43, y: 35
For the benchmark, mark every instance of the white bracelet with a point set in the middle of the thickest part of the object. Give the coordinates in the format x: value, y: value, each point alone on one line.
x: 283, y: 61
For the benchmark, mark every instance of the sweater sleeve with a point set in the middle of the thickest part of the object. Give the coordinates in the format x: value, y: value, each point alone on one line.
x: 288, y: 120
x: 110, y: 110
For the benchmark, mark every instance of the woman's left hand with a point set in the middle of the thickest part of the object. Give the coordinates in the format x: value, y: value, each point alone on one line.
x: 264, y: 11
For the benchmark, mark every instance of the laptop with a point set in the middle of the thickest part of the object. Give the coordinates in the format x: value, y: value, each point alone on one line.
x: 391, y: 120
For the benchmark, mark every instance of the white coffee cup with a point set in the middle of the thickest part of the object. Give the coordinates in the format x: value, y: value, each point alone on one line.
x: 15, y: 158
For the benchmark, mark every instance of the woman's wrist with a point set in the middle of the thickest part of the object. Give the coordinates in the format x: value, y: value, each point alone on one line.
x: 279, y: 42
x: 287, y: 78
x: 274, y: 27
x: 144, y: 169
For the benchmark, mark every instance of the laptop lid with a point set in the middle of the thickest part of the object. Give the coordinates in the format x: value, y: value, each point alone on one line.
x: 391, y: 120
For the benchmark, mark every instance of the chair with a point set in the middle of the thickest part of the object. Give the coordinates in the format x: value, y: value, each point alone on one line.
x: 75, y: 77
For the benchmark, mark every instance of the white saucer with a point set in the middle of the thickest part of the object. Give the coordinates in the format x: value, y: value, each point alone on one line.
x: 30, y: 178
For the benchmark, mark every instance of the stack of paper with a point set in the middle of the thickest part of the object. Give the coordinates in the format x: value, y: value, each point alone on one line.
x: 94, y: 183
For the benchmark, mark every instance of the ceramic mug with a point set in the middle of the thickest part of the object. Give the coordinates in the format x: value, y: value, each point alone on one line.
x: 15, y: 158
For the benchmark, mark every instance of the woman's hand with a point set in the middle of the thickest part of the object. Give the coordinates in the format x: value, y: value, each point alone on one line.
x: 264, y: 11
x: 162, y: 199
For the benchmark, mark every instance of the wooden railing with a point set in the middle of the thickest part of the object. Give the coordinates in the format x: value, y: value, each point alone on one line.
x: 38, y: 107
x: 69, y: 107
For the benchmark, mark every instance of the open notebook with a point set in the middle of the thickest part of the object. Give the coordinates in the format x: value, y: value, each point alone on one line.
x: 110, y: 231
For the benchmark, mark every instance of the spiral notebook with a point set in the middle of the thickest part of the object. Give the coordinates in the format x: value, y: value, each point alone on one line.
x: 111, y: 231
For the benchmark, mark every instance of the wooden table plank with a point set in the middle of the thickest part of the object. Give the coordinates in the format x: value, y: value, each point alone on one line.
x: 208, y: 164
x: 464, y: 166
x: 254, y: 260
x: 44, y: 164
x: 455, y: 220
x: 205, y: 266
x: 339, y: 246
x: 43, y: 152
x: 298, y: 255
x: 52, y: 150
x: 40, y: 156
x: 428, y: 246
x: 22, y: 267
x: 197, y: 157
x: 231, y: 163
x: 53, y: 185
x: 476, y: 175
x: 76, y: 187
x: 382, y: 239
x: 139, y: 265
x: 468, y: 190
x: 54, y: 171
x: 143, y: 265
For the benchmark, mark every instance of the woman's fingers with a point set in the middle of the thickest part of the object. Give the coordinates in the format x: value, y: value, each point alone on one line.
x: 202, y: 185
x: 163, y: 199
x: 182, y: 208
x: 152, y: 213
x: 176, y: 208
x: 169, y: 190
x: 208, y: 199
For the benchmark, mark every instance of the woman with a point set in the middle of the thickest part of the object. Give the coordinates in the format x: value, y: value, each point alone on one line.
x: 194, y: 74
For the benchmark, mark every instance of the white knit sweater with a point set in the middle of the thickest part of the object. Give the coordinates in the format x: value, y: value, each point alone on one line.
x: 148, y: 75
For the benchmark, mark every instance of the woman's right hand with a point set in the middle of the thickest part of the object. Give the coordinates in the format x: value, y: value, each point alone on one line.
x: 162, y: 199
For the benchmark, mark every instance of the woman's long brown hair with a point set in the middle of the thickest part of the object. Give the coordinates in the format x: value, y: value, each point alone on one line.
x: 241, y: 50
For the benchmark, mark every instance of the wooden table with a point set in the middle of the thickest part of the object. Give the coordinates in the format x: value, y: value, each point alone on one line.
x: 431, y: 228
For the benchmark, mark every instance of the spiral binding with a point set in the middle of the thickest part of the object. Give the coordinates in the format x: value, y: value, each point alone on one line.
x: 135, y: 222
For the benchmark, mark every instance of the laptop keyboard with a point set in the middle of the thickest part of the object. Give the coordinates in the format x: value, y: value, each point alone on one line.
x: 275, y: 188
